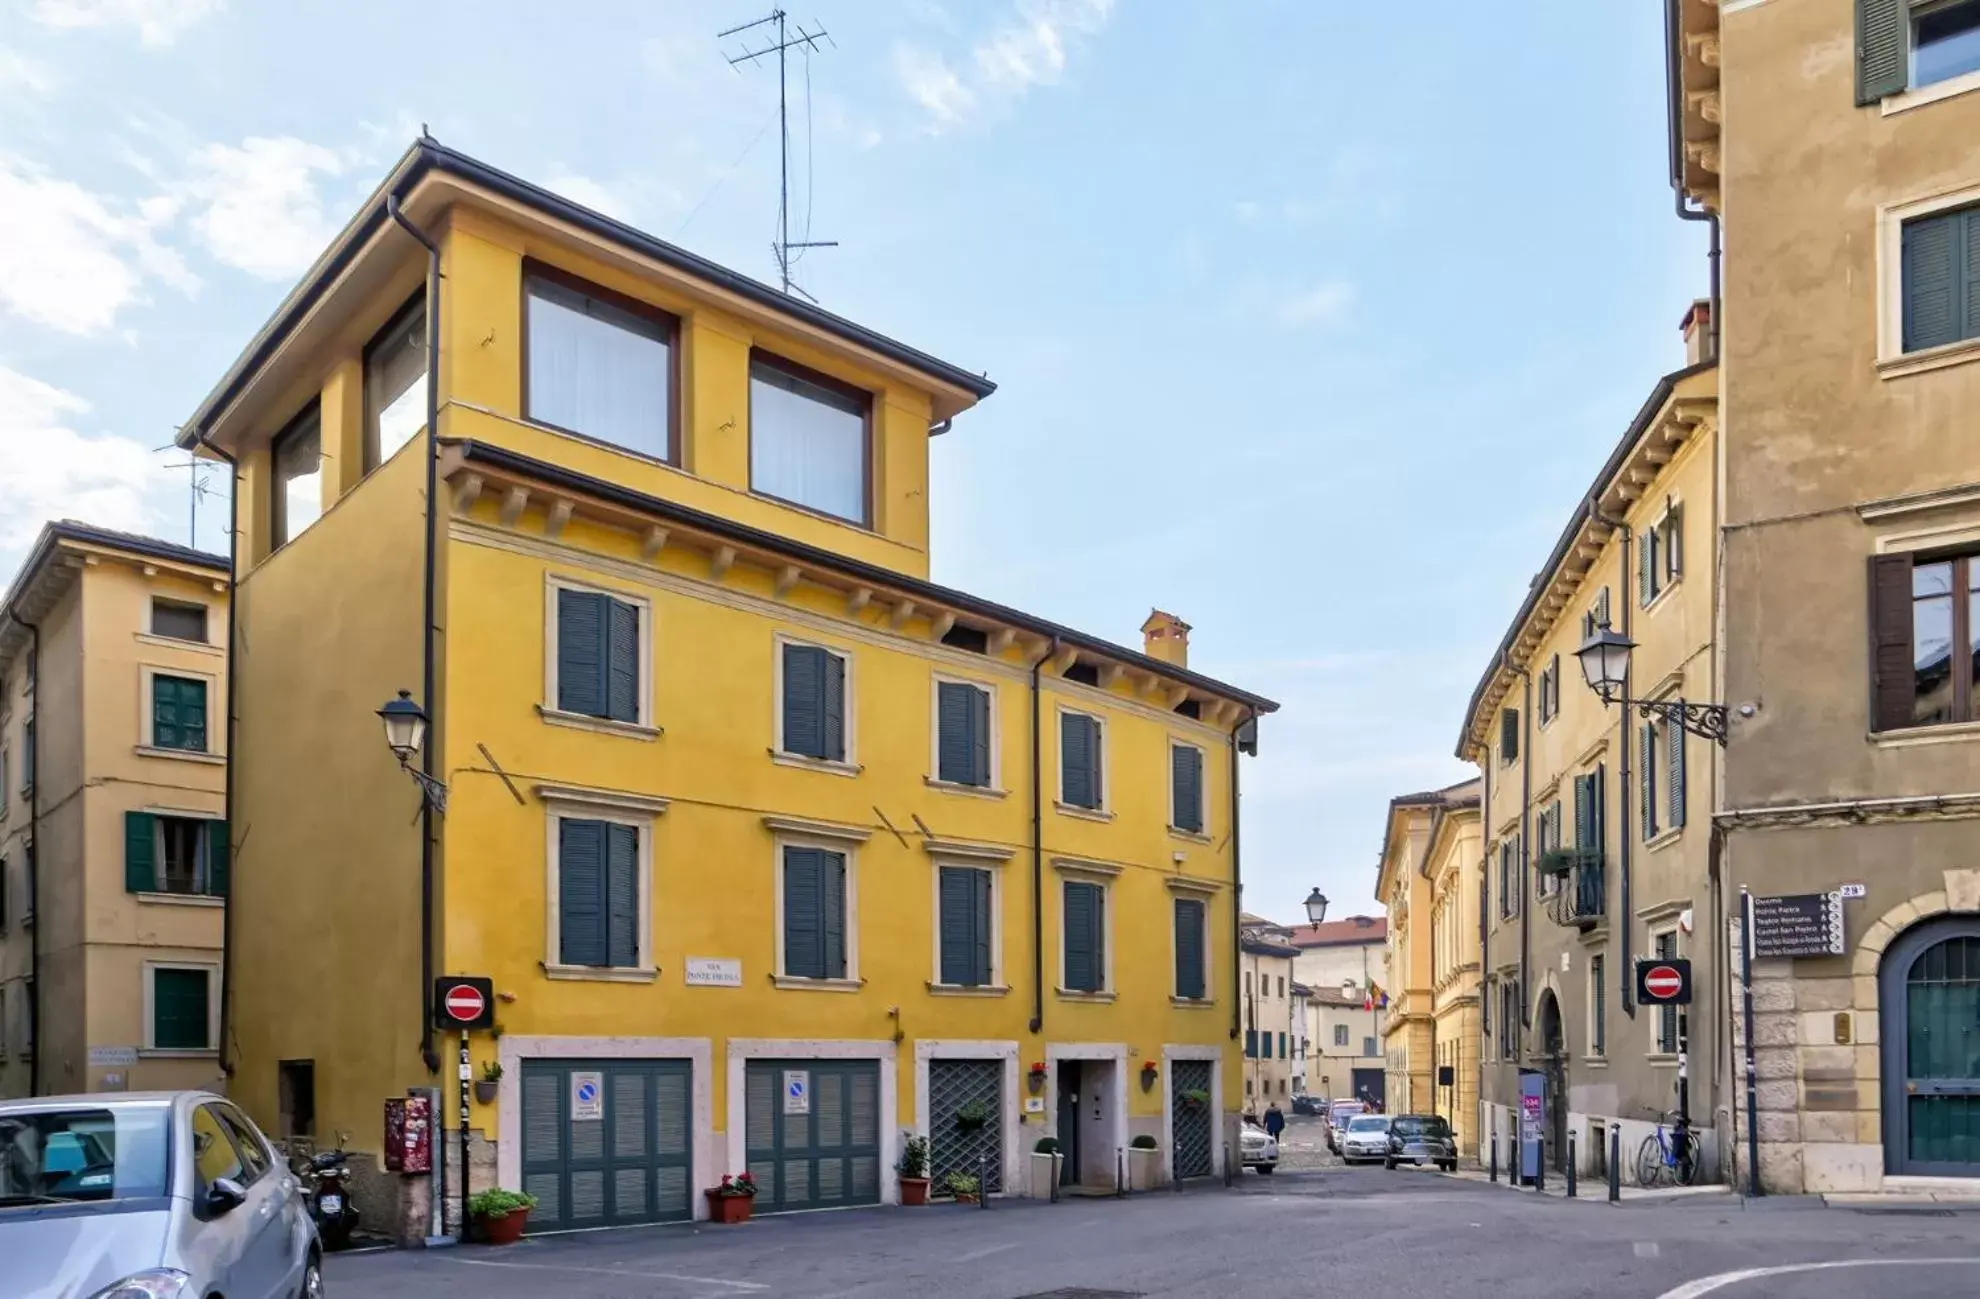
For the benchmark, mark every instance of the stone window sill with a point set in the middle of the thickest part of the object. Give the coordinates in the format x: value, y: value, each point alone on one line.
x: 601, y: 973
x: 1663, y: 593
x: 968, y: 989
x: 957, y: 787
x: 1193, y: 1003
x: 182, y: 899
x: 1083, y: 813
x: 1950, y: 88
x: 180, y: 755
x: 1098, y: 998
x: 165, y: 1053
x: 1929, y: 358
x: 830, y: 766
x: 173, y: 642
x: 1662, y: 1059
x: 792, y: 983
x: 1912, y: 737
x: 1595, y: 1061
x: 1663, y: 839
x: 606, y: 725
x: 1193, y: 836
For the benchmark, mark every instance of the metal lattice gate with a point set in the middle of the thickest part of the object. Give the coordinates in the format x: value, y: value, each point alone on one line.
x: 606, y: 1142
x: 966, y: 1121
x: 813, y: 1133
x: 1193, y: 1123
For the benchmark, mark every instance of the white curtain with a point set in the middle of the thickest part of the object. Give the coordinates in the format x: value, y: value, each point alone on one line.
x: 807, y: 444
x: 596, y: 370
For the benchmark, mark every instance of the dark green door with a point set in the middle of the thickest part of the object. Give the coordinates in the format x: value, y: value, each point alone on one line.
x: 966, y: 1121
x: 813, y: 1133
x: 1930, y: 992
x: 606, y: 1142
x: 1191, y: 1123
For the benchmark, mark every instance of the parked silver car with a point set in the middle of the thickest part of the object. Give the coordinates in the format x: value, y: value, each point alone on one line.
x: 148, y: 1195
x: 1365, y: 1137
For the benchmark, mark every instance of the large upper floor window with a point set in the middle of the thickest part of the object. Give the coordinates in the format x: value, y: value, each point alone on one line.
x: 599, y: 365
x: 1909, y: 44
x: 297, y: 498
x: 808, y: 439
x: 1945, y: 40
x: 1925, y: 637
x: 395, y: 383
x: 1939, y: 280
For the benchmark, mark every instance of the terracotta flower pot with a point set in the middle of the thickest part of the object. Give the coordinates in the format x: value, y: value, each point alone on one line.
x: 965, y: 1197
x: 505, y: 1230
x: 914, y: 1190
x: 728, y: 1208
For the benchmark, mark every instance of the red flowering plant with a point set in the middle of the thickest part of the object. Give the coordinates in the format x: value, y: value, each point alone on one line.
x: 737, y: 1184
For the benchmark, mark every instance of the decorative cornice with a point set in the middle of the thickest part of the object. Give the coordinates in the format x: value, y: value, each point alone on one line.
x: 591, y: 796
x: 988, y: 852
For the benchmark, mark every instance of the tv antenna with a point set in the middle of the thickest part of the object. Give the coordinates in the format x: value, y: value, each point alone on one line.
x: 196, y: 472
x: 784, y: 41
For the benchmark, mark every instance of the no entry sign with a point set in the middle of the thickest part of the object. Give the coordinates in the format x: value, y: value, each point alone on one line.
x: 462, y: 1001
x: 1664, y: 982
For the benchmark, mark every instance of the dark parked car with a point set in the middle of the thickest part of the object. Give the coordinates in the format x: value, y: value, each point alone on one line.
x: 1421, y: 1139
x: 1304, y: 1104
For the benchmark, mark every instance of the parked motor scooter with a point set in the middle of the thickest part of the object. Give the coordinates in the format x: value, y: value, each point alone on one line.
x: 330, y: 1201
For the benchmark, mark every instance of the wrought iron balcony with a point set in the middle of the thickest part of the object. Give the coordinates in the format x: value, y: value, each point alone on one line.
x: 1579, y: 882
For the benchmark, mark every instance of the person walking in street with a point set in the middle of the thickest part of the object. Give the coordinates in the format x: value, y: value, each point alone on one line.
x: 1275, y: 1120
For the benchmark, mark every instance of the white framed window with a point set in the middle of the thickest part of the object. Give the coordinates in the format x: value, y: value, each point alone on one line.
x: 1086, y: 929
x: 1188, y: 811
x: 182, y: 713
x: 181, y: 1008
x: 817, y: 891
x: 1925, y: 261
x: 597, y: 657
x: 966, y: 751
x: 969, y: 928
x: 600, y: 365
x: 1083, y: 765
x: 598, y: 884
x: 1192, y: 947
x: 813, y: 706
x: 808, y: 439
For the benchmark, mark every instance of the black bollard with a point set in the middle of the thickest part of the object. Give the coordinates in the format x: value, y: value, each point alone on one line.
x: 1570, y: 1163
x: 1615, y: 1165
x: 1539, y: 1167
x: 1495, y: 1153
x: 1120, y: 1172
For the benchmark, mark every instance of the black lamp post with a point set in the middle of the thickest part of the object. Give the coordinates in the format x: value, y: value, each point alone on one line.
x: 405, y: 731
x: 1605, y: 665
x: 1316, y: 906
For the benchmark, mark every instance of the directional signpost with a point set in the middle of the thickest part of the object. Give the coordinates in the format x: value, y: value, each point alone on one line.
x: 463, y: 1002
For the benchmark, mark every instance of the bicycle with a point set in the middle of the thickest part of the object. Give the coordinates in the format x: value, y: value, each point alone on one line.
x: 1668, y: 1154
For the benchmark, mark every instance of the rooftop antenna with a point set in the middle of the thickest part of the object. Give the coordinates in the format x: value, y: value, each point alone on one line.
x: 781, y: 44
x: 196, y: 473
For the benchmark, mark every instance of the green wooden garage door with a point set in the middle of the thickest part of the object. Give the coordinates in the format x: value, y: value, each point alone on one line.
x: 813, y: 1133
x: 606, y: 1142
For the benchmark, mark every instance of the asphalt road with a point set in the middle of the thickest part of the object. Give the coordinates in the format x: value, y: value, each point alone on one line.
x: 1408, y: 1234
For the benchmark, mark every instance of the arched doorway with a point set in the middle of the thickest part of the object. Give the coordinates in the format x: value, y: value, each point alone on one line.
x: 1928, y: 991
x: 1553, y: 1052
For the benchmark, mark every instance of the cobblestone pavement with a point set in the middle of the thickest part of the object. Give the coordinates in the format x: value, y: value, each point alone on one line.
x: 1303, y: 1145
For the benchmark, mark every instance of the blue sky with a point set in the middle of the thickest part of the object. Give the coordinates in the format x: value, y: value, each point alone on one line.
x: 1311, y: 323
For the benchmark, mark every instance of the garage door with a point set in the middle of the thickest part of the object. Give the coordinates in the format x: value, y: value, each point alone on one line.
x: 814, y: 1133
x: 606, y: 1142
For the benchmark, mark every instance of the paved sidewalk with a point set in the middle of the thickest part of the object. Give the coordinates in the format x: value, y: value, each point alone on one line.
x: 1598, y: 1190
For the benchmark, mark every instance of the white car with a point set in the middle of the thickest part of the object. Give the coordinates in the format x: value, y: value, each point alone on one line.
x: 1258, y: 1149
x: 1365, y: 1137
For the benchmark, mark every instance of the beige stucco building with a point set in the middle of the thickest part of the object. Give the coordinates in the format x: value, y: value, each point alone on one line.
x: 1830, y: 140
x: 1598, y: 816
x: 1353, y: 949
x: 113, y: 838
x: 1265, y: 978
x: 1344, y: 1043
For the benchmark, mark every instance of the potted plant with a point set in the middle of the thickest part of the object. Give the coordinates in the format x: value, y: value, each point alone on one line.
x: 971, y: 1116
x: 964, y: 1187
x: 486, y: 1088
x: 913, y: 1168
x: 1148, y: 1075
x: 500, y: 1216
x: 1035, y: 1077
x: 1045, y: 1161
x: 729, y: 1202
x: 1144, y: 1163
x: 1195, y: 1098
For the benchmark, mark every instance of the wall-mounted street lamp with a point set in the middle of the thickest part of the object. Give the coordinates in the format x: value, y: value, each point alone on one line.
x: 1605, y: 664
x: 1316, y: 906
x: 405, y: 731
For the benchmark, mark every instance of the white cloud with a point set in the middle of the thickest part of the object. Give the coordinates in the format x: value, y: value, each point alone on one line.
x: 1325, y: 303
x: 19, y: 72
x: 583, y: 189
x: 50, y: 471
x: 158, y: 22
x: 1029, y: 48
x: 259, y: 209
x: 69, y: 260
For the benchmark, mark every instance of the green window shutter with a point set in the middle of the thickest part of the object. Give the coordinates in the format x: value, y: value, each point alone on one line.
x: 979, y: 713
x: 955, y: 742
x: 1078, y: 770
x: 621, y: 895
x: 1597, y: 781
x: 958, y: 898
x: 1189, y: 948
x: 179, y: 1010
x: 1251, y: 1044
x: 1186, y: 780
x: 1084, y: 924
x: 140, y: 853
x: 1969, y: 272
x: 1646, y: 566
x: 581, y: 892
x: 1933, y: 277
x: 1282, y: 1046
x: 832, y: 906
x: 1674, y: 541
x: 804, y: 921
x: 1674, y: 774
x: 980, y: 915
x: 1883, y: 48
x: 219, y: 853
x: 1646, y: 749
x: 1584, y: 813
x: 832, y: 708
x: 178, y: 713
x: 621, y: 661
x: 804, y: 686
x: 581, y: 652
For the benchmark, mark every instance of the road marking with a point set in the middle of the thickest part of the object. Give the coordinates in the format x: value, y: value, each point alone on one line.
x: 1646, y: 1249
x: 615, y: 1271
x: 973, y: 1255
x: 1705, y: 1285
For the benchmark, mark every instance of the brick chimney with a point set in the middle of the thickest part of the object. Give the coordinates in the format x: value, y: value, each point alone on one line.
x: 1697, y: 328
x: 1165, y: 636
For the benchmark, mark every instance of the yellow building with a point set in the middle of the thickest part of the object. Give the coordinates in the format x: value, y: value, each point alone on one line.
x: 1405, y: 887
x: 772, y: 847
x: 1454, y: 863
x: 113, y: 842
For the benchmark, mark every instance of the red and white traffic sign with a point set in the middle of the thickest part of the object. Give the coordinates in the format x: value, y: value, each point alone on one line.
x: 1661, y: 981
x: 1664, y: 981
x: 461, y: 1001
